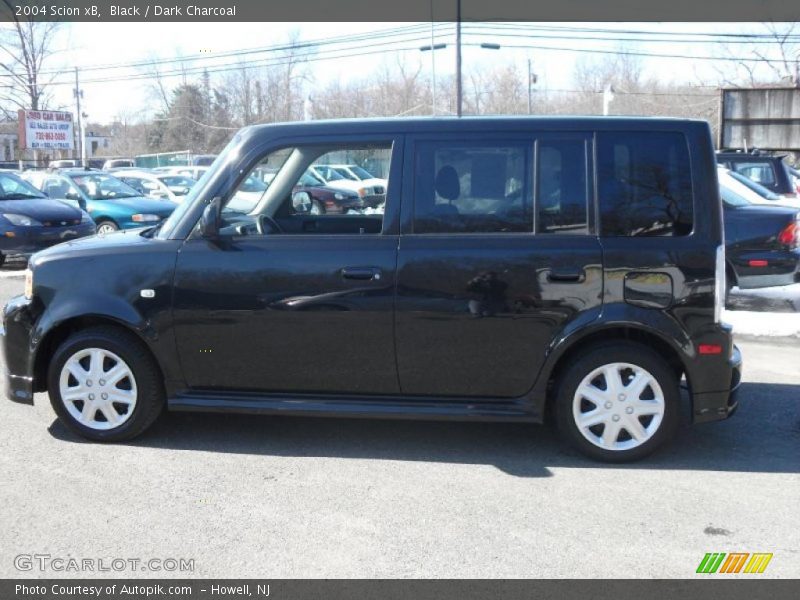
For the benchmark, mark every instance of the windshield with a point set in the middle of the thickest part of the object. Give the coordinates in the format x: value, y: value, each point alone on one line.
x: 361, y: 173
x: 13, y: 188
x: 328, y: 173
x: 169, y: 224
x: 103, y: 187
x: 346, y: 173
x: 754, y: 186
x: 177, y: 181
x: 730, y: 197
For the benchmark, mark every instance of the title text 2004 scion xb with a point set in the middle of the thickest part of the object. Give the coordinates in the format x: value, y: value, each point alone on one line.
x: 518, y: 268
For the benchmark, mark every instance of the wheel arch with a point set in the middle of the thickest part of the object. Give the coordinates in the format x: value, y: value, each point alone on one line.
x: 56, y: 335
x: 612, y: 334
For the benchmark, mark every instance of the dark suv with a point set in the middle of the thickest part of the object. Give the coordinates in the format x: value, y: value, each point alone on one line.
x: 769, y: 170
x: 520, y: 267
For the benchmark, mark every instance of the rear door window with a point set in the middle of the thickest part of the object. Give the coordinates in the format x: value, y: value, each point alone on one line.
x: 480, y: 187
x: 561, y: 186
x: 644, y: 184
x: 760, y: 172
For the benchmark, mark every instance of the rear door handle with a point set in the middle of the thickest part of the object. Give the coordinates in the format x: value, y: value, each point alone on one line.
x: 361, y: 273
x: 566, y: 276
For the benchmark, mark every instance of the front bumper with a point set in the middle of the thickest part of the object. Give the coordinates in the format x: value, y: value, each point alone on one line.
x: 27, y: 240
x: 715, y: 406
x: 15, y: 346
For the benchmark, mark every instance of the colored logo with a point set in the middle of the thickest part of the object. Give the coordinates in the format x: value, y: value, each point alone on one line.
x: 734, y: 562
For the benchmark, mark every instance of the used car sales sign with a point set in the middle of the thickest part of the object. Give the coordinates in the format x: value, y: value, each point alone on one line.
x: 46, y: 130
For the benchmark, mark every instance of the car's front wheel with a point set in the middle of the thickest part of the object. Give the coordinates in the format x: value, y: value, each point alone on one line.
x: 104, y: 227
x: 618, y: 402
x: 105, y: 385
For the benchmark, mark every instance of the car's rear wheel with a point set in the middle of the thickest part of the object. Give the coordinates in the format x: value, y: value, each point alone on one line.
x: 105, y: 385
x: 618, y: 402
x: 105, y: 226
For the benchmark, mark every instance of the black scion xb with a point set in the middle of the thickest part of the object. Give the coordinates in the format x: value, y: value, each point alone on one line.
x: 519, y: 267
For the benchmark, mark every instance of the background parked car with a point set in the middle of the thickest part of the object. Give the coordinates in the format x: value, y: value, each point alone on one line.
x: 356, y: 173
x: 796, y: 176
x: 768, y: 170
x: 754, y: 192
x: 30, y: 221
x: 112, y: 204
x: 762, y: 243
x: 117, y: 163
x: 160, y: 185
x: 194, y: 172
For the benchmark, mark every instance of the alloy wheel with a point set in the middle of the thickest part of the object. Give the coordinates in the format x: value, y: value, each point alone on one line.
x: 98, y: 389
x: 618, y: 406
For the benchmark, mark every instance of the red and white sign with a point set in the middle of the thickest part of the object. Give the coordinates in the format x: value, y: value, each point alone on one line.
x: 46, y: 130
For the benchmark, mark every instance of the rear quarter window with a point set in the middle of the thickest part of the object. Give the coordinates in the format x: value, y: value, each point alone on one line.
x: 644, y: 184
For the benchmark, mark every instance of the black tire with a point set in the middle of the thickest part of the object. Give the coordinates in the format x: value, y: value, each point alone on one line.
x: 617, y: 352
x: 150, y: 396
x: 2, y: 259
x: 108, y: 223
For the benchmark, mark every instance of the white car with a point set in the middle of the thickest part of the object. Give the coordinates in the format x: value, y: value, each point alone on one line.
x: 356, y: 173
x: 193, y: 171
x: 753, y: 192
x: 333, y: 179
x: 168, y: 186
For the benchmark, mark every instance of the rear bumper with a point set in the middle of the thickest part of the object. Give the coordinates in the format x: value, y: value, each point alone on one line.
x: 780, y: 267
x: 715, y: 406
x: 15, y: 345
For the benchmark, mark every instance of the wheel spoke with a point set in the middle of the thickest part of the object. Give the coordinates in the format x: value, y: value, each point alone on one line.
x: 635, y: 428
x: 110, y: 413
x: 116, y: 374
x: 637, y: 385
x: 613, y: 380
x: 594, y: 395
x: 96, y: 362
x: 73, y: 394
x: 643, y: 408
x: 122, y: 396
x: 592, y: 418
x: 610, y: 433
x: 87, y: 413
x: 76, y: 370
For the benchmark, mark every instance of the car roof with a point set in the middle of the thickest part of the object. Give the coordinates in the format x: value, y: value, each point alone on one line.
x: 464, y: 124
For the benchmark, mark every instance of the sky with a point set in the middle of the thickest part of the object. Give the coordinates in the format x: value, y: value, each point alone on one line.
x: 88, y: 45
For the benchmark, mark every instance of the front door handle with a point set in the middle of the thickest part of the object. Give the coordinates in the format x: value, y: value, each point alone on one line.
x: 566, y: 276
x: 361, y: 273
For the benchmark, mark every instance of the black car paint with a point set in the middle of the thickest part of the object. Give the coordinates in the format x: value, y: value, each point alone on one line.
x: 751, y: 233
x: 437, y: 297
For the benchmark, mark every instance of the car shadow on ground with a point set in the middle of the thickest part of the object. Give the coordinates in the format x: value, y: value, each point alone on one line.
x: 764, y: 436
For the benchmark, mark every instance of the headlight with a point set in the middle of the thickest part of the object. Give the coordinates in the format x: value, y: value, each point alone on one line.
x: 21, y: 220
x: 362, y: 192
x: 145, y: 218
x: 339, y: 196
x: 29, y: 284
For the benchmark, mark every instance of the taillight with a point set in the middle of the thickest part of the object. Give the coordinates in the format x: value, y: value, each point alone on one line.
x: 790, y: 235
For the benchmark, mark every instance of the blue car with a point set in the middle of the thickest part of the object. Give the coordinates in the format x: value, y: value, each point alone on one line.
x: 112, y: 203
x: 30, y: 221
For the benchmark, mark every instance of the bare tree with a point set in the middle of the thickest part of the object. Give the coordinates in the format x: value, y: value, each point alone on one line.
x: 775, y: 60
x: 25, y: 45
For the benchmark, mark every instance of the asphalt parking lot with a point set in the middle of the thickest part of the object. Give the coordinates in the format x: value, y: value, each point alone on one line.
x: 288, y: 497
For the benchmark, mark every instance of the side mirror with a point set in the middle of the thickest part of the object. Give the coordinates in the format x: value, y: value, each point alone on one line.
x: 301, y: 202
x: 211, y: 220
